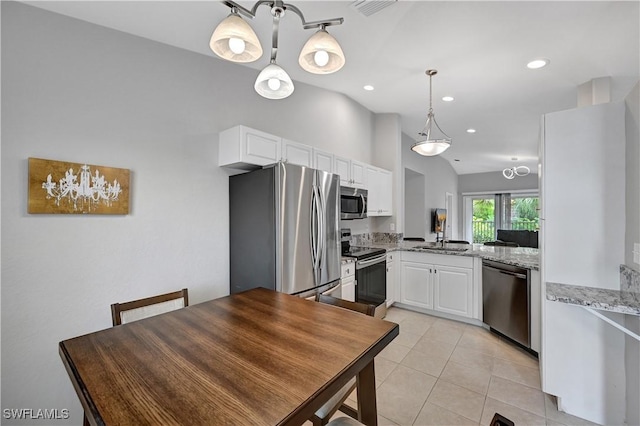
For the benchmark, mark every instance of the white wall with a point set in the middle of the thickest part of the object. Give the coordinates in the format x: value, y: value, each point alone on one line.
x: 495, y: 182
x: 78, y: 92
x: 439, y: 177
x: 632, y: 235
x: 414, y: 212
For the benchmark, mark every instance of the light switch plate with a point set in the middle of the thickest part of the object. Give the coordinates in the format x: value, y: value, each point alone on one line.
x: 636, y: 253
x: 392, y: 226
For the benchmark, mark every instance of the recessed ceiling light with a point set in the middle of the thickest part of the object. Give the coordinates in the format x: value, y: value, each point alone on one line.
x: 447, y: 98
x: 471, y: 130
x: 368, y: 87
x: 538, y: 63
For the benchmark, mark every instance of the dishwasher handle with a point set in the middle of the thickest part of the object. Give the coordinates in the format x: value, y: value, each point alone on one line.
x: 502, y: 271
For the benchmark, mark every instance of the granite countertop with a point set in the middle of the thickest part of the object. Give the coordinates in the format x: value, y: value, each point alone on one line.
x: 524, y: 257
x: 625, y: 302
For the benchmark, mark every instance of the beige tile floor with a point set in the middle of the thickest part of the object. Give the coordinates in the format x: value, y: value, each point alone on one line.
x: 442, y: 372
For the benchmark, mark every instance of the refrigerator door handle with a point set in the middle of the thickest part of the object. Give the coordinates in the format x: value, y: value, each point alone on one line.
x: 314, y: 228
x: 322, y: 229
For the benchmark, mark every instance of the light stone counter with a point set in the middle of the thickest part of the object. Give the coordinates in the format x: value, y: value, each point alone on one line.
x: 524, y: 257
x: 624, y: 301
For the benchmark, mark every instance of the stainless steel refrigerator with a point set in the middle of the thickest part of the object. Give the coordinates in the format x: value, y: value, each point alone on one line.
x: 284, y: 231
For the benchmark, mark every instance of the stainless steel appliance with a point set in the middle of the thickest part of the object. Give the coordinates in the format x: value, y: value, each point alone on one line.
x: 506, y: 301
x: 371, y: 273
x: 353, y: 203
x: 284, y: 231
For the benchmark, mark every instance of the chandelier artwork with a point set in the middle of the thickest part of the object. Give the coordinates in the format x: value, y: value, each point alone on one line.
x: 234, y: 40
x: 83, y: 191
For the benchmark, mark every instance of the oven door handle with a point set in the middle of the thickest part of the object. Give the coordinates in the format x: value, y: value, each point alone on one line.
x: 364, y: 263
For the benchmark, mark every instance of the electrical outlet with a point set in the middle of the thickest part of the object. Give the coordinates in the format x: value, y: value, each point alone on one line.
x: 636, y: 253
x: 392, y: 226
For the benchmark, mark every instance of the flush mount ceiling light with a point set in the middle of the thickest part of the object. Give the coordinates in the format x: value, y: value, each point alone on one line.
x: 512, y: 172
x: 538, y: 63
x: 234, y: 40
x: 431, y: 142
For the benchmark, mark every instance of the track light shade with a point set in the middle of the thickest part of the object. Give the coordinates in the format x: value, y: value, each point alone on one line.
x: 234, y: 40
x: 321, y: 54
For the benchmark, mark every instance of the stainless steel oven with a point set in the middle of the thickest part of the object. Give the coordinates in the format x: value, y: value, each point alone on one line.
x: 371, y: 279
x: 353, y: 203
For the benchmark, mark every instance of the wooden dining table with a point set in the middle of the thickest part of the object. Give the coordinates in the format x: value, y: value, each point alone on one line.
x: 254, y: 358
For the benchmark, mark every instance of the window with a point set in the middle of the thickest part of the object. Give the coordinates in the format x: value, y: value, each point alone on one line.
x: 484, y: 214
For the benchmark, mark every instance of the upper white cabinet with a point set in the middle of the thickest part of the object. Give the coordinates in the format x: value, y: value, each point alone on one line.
x: 244, y: 148
x: 322, y: 160
x: 297, y: 153
x: 352, y: 173
x: 379, y: 183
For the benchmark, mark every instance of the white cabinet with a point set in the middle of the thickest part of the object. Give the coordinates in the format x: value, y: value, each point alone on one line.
x: 348, y: 280
x: 245, y: 148
x: 352, y: 173
x: 297, y: 153
x: 453, y: 290
x: 392, y: 280
x: 416, y: 288
x: 439, y: 282
x: 379, y: 183
x: 322, y: 160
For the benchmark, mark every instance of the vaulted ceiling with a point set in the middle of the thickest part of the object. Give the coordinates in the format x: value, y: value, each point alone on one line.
x: 479, y: 48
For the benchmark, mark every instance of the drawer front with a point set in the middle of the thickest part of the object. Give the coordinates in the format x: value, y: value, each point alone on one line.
x: 438, y: 259
x: 348, y: 269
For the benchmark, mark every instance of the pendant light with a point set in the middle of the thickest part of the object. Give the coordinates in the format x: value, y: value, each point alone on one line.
x: 512, y: 172
x: 432, y: 141
x: 273, y: 82
x: 235, y: 40
x: 321, y: 54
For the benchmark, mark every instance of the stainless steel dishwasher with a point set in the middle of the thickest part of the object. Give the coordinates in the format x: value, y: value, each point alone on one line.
x: 506, y: 301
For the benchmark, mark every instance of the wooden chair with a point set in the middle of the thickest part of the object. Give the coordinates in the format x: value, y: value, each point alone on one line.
x: 457, y: 241
x: 134, y: 310
x: 324, y: 413
x: 501, y: 244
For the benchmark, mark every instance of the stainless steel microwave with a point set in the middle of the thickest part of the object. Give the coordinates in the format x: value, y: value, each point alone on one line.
x: 353, y: 203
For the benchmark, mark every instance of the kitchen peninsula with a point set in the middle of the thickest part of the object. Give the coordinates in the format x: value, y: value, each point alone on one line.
x: 447, y: 279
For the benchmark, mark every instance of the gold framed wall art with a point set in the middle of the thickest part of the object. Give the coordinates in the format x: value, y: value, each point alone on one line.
x: 60, y: 187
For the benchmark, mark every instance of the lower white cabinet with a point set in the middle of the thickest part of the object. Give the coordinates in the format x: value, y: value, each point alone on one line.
x: 348, y: 280
x: 392, y: 281
x: 416, y: 288
x: 453, y: 290
x: 437, y: 282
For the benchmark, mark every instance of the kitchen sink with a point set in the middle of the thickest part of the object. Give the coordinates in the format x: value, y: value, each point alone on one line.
x: 447, y: 247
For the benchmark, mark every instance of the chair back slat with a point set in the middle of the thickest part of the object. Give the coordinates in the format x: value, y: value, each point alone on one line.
x: 363, y: 308
x: 134, y: 310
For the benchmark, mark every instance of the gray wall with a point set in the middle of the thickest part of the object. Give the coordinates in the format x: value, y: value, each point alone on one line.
x: 632, y: 235
x: 439, y: 178
x: 414, y: 205
x: 496, y: 182
x: 78, y: 92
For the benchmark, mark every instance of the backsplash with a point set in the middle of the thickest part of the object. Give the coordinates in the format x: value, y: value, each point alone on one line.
x: 629, y: 279
x: 376, y: 237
